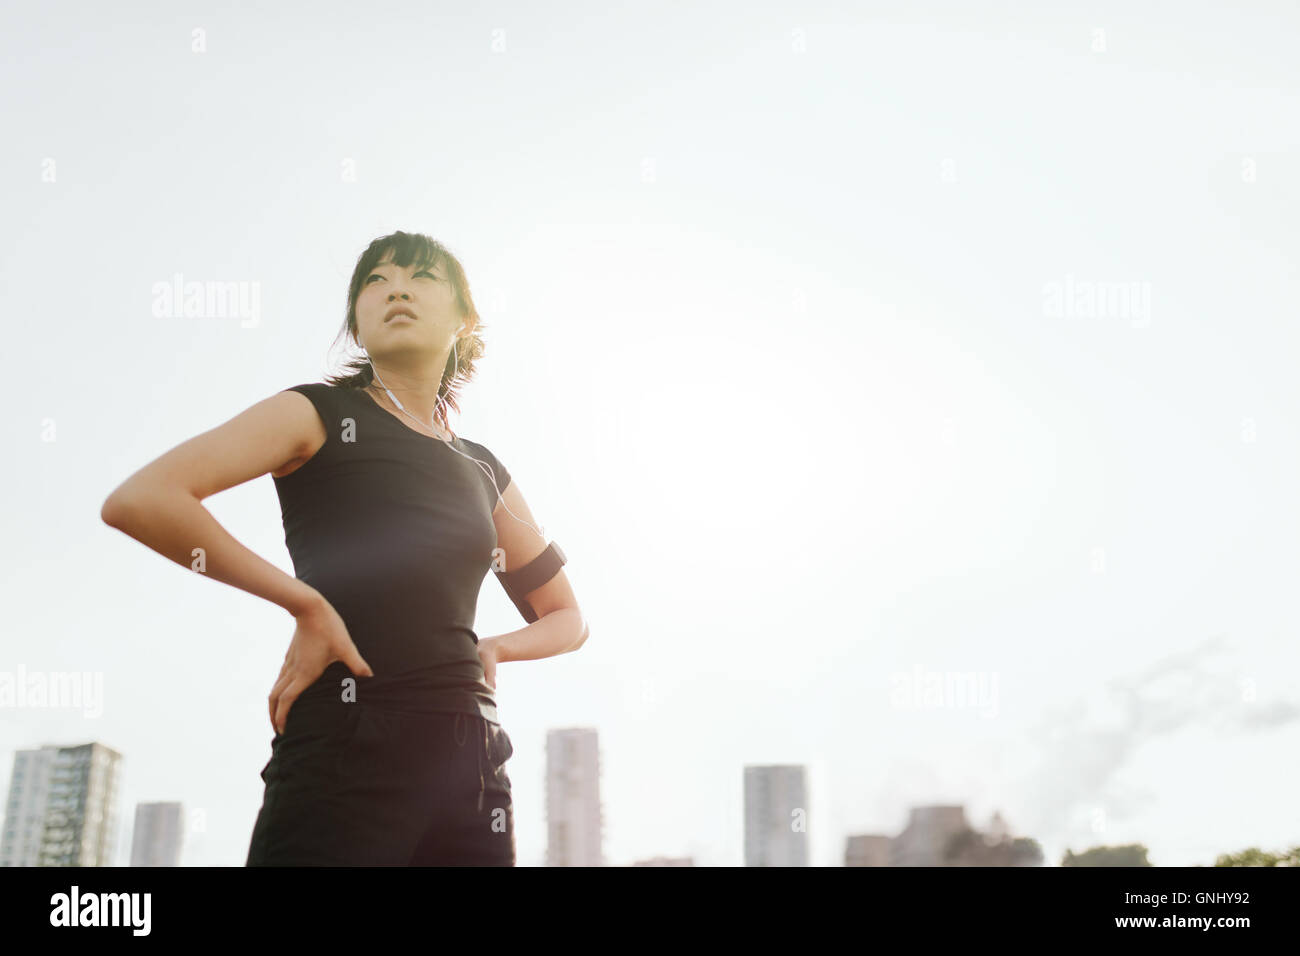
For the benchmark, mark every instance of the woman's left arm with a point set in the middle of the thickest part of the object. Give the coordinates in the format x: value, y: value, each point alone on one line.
x: 560, y: 626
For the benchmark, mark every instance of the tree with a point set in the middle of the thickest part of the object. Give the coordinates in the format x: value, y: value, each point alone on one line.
x: 1257, y: 857
x: 1130, y: 854
x: 969, y: 848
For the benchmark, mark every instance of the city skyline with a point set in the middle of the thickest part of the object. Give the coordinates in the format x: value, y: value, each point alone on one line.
x: 912, y: 392
x: 776, y: 821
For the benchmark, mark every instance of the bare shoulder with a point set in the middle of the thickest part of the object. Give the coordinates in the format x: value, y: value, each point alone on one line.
x: 266, y: 437
x: 303, y: 418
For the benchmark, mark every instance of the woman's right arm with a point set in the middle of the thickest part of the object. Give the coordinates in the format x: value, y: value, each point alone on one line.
x: 160, y: 505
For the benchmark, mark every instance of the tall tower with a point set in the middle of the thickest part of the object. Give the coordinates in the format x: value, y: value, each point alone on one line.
x: 157, y: 836
x: 62, y: 807
x: 574, y: 822
x: 776, y: 816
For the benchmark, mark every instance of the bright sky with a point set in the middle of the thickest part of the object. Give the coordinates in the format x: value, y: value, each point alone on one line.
x: 838, y: 349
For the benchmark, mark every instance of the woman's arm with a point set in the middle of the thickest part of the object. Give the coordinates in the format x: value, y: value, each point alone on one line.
x: 561, y: 626
x: 160, y: 505
x: 556, y: 632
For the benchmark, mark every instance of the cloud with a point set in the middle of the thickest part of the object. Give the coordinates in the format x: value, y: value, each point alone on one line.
x: 1087, y: 742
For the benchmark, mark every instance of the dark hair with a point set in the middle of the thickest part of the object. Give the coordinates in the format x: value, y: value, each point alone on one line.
x: 425, y: 252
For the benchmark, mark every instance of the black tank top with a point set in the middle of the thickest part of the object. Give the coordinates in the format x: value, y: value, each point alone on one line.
x: 395, y: 530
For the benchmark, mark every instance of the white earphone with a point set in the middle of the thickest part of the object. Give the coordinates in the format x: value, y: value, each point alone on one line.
x: 483, y: 466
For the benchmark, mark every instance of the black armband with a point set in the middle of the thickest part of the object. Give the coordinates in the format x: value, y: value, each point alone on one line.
x: 531, y: 577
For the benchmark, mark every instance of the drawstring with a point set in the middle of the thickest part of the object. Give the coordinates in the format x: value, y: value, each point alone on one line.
x: 480, y: 766
x: 478, y: 755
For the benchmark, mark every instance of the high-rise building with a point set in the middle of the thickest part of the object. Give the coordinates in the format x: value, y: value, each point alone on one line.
x: 24, y: 826
x: 156, y: 839
x: 574, y: 822
x: 776, y: 816
x: 62, y: 807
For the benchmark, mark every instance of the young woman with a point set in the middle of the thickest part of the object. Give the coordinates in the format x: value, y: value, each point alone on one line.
x: 387, y: 748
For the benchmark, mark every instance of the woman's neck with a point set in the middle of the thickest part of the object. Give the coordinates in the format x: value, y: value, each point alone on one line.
x: 413, y: 408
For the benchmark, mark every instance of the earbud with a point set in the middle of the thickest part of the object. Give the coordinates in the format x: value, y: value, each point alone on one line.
x: 483, y: 466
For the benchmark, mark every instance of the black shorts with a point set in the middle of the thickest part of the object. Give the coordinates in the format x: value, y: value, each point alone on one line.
x: 349, y: 784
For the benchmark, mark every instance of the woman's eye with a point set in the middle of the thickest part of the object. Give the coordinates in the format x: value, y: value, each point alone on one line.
x: 422, y: 272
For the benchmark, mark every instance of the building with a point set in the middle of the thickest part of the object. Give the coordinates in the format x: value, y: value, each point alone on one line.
x: 940, y: 836
x: 667, y: 861
x: 925, y: 838
x: 574, y: 821
x: 776, y: 816
x: 158, y: 834
x: 869, y: 850
x: 62, y: 807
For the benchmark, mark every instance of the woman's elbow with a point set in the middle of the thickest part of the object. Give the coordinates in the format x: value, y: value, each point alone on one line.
x: 120, y: 506
x: 583, y: 639
x: 114, y: 510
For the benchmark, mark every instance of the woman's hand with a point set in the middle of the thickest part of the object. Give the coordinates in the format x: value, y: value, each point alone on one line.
x: 320, y: 639
x: 488, y: 653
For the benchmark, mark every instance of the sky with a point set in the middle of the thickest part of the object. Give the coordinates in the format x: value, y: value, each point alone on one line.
x: 852, y: 353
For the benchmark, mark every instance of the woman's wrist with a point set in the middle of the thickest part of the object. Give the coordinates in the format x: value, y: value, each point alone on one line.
x: 498, y: 648
x: 304, y: 599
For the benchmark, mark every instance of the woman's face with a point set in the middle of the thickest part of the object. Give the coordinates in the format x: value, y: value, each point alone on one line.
x: 426, y: 293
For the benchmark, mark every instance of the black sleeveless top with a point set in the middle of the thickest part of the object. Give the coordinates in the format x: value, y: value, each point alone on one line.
x: 395, y: 530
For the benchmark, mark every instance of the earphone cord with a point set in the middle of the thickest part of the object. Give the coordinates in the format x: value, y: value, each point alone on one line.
x: 483, y: 466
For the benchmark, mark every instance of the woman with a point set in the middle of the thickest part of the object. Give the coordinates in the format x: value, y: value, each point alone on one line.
x: 387, y: 749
